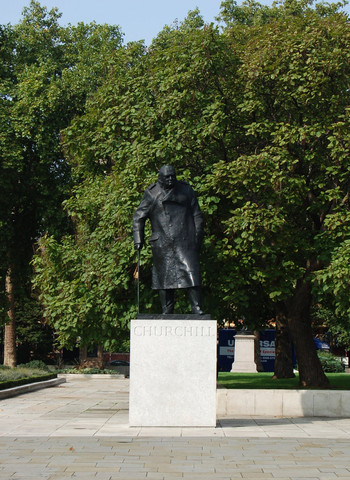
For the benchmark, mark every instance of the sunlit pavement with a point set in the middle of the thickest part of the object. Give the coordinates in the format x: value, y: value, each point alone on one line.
x: 80, y: 430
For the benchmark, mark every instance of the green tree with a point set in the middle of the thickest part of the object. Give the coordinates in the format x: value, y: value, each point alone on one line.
x: 294, y: 181
x: 332, y: 287
x: 252, y: 13
x: 85, y: 278
x: 47, y: 74
x: 333, y: 280
x: 156, y: 107
x: 338, y: 327
x: 173, y: 104
x: 256, y: 117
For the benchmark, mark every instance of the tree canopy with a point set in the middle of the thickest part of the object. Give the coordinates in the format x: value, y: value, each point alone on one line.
x: 255, y: 115
x: 47, y: 73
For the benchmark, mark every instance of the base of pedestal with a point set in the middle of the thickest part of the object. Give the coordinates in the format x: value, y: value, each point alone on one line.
x: 172, y: 372
x: 243, y: 367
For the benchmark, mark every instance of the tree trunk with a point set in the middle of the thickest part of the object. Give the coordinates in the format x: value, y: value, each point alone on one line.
x: 100, y: 360
x: 257, y: 355
x: 83, y: 352
x: 298, y: 315
x: 10, y: 356
x: 283, y: 349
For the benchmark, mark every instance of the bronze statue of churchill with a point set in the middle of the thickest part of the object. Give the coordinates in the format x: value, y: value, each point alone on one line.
x: 177, y: 234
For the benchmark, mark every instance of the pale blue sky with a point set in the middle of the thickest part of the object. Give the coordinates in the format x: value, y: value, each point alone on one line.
x: 138, y: 19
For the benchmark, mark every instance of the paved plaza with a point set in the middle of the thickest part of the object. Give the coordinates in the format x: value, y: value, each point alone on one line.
x: 80, y: 430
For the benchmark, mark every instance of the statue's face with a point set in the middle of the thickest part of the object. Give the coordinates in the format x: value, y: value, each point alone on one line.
x: 167, y: 177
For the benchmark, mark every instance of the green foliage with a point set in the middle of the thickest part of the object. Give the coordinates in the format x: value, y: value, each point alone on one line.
x: 15, y: 377
x: 293, y: 179
x: 118, y: 147
x: 35, y: 338
x: 252, y: 13
x: 47, y: 73
x: 20, y: 372
x: 167, y: 108
x: 257, y: 118
x: 330, y: 363
x: 338, y: 327
x: 333, y: 280
x: 84, y: 281
x: 35, y: 364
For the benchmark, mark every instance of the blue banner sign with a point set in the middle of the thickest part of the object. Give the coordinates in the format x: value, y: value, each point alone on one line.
x: 226, y: 349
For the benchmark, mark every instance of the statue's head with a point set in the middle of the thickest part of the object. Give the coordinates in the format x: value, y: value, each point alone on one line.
x: 167, y: 177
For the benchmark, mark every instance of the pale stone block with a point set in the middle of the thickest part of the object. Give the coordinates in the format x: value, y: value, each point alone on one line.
x: 244, y: 354
x: 326, y: 404
x: 173, y: 372
x: 221, y: 401
x: 285, y: 403
x: 240, y: 402
x: 298, y: 403
x: 345, y: 403
x: 268, y: 402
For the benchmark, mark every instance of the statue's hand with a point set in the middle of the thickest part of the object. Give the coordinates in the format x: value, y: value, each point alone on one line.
x: 138, y: 246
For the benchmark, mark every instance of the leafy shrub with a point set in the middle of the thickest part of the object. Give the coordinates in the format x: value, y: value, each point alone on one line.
x: 13, y: 377
x: 330, y: 363
x: 37, y: 364
x: 20, y: 372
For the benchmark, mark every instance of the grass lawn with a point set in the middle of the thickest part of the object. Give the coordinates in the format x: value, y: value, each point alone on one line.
x: 339, y: 381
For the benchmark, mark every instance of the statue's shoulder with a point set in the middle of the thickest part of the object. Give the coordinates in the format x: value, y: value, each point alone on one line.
x: 152, y: 190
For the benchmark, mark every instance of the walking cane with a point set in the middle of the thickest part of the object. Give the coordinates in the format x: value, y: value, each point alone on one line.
x: 138, y: 281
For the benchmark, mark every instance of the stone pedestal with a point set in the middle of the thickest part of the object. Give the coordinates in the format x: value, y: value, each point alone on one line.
x: 244, y: 354
x: 173, y: 371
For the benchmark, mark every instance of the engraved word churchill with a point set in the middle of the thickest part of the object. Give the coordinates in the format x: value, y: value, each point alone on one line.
x: 177, y: 233
x: 170, y: 331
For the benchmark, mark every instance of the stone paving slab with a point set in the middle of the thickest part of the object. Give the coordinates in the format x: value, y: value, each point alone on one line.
x: 80, y: 430
x: 215, y: 458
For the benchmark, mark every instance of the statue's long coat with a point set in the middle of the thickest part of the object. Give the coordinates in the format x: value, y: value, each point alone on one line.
x: 177, y: 232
